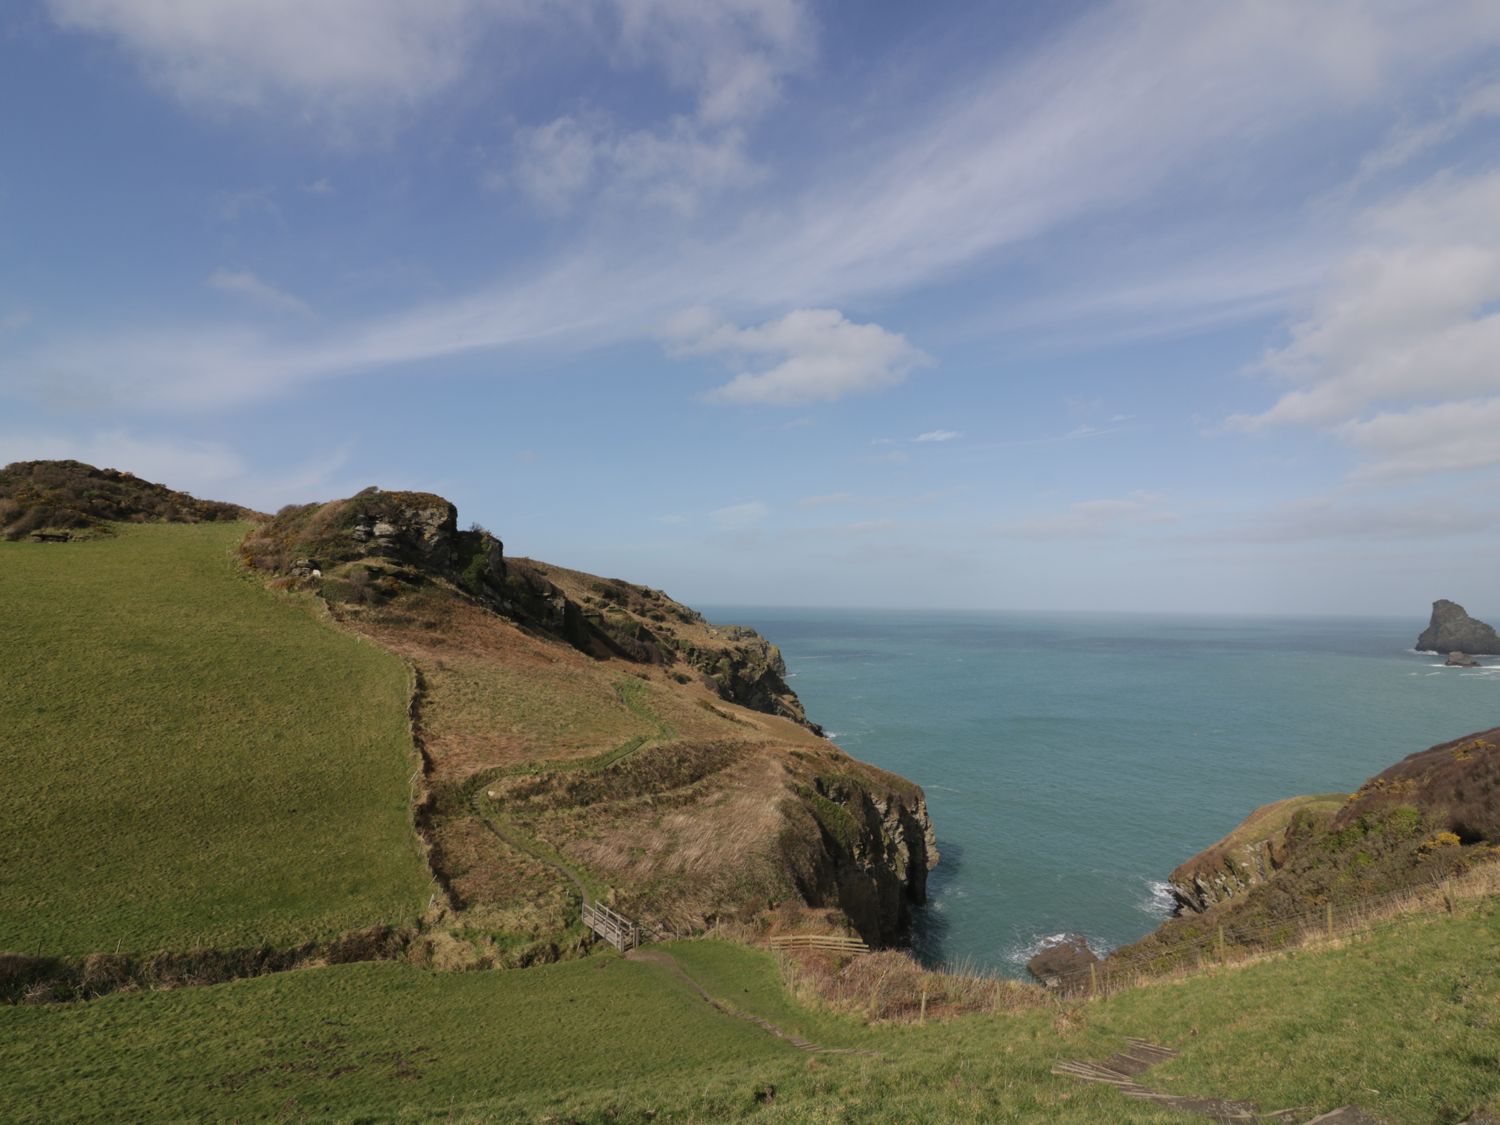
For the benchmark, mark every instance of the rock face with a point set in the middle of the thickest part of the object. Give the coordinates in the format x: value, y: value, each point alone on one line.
x: 802, y: 824
x: 877, y: 848
x: 1247, y: 857
x: 750, y: 671
x: 1062, y: 961
x: 1433, y: 815
x: 1460, y: 660
x: 1453, y: 630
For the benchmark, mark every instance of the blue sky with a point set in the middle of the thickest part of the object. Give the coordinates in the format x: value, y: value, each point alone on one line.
x: 1150, y: 305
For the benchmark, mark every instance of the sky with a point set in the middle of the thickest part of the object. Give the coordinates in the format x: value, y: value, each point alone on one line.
x: 1153, y: 305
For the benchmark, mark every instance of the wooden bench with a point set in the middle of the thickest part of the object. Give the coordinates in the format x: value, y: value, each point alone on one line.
x: 52, y: 536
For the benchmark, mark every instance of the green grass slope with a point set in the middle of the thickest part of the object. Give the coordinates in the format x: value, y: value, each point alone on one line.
x: 1403, y: 1022
x: 187, y: 760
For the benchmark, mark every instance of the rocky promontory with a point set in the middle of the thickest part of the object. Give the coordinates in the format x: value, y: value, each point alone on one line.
x: 619, y: 737
x: 1451, y: 629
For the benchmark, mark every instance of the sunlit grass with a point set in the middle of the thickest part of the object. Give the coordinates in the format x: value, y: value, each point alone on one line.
x: 189, y: 760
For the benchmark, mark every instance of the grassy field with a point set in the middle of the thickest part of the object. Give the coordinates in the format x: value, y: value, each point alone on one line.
x: 189, y: 760
x: 1405, y: 1023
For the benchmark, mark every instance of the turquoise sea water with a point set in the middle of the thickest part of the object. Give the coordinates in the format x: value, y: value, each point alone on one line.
x: 1071, y: 761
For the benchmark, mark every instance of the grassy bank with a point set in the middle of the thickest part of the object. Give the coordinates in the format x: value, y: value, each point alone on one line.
x: 1404, y: 1023
x: 190, y: 761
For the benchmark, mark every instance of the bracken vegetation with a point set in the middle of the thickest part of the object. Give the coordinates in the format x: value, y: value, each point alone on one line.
x: 69, y: 497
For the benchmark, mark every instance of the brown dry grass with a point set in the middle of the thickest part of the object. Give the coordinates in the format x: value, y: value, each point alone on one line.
x: 678, y: 806
x: 894, y: 987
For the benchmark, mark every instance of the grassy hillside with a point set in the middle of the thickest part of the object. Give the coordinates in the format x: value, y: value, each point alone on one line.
x: 1403, y: 1023
x: 188, y: 759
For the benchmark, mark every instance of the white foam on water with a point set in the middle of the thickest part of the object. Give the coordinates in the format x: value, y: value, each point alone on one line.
x: 832, y: 734
x: 1159, y: 901
x: 1025, y: 953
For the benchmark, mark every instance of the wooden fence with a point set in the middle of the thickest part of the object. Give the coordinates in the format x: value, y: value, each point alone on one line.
x: 834, y: 943
x: 614, y: 928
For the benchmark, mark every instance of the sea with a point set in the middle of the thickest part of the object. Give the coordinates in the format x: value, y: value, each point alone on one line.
x: 1071, y: 761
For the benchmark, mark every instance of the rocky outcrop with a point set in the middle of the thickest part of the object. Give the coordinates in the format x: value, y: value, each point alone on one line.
x: 1431, y: 816
x: 1451, y: 629
x: 417, y: 531
x: 1063, y: 961
x: 1460, y: 660
x: 748, y: 670
x: 877, y: 847
x: 1247, y: 857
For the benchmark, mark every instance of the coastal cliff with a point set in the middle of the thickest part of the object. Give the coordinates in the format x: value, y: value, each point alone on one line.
x: 1452, y: 630
x: 1250, y: 855
x: 1434, y: 814
x: 586, y: 731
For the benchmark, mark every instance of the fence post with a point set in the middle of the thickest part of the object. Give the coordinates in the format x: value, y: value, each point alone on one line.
x: 1221, y: 943
x: 1328, y: 911
x: 1093, y: 978
x: 922, y: 1019
x: 1448, y: 903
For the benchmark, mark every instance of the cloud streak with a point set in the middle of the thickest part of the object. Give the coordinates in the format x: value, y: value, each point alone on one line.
x: 1124, y: 100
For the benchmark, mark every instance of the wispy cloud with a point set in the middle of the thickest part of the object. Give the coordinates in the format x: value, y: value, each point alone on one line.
x: 1143, y: 94
x: 738, y: 516
x: 825, y: 500
x: 1345, y: 517
x: 244, y: 284
x: 1088, y: 519
x: 937, y: 435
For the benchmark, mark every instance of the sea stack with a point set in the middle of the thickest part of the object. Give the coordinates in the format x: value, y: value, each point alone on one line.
x: 1453, y: 630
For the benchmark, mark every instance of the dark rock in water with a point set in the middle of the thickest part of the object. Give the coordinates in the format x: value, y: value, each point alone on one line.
x: 1453, y: 630
x: 1063, y: 961
x: 1460, y: 660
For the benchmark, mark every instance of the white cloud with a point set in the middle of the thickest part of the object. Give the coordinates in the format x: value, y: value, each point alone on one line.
x: 243, y: 283
x: 1128, y: 98
x: 734, y: 54
x: 938, y: 435
x: 254, y: 53
x: 738, y: 516
x: 1408, y: 329
x: 820, y: 355
x: 674, y: 166
x: 1448, y: 437
x: 556, y: 162
x: 1089, y: 519
x: 329, y: 57
x: 1410, y: 140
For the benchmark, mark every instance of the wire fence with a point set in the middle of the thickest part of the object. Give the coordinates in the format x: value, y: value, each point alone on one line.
x: 1225, y: 941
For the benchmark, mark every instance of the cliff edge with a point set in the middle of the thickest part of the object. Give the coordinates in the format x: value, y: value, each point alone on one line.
x: 586, y: 731
x: 1434, y: 814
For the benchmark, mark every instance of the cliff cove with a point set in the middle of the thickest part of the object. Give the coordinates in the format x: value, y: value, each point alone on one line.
x: 1072, y: 761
